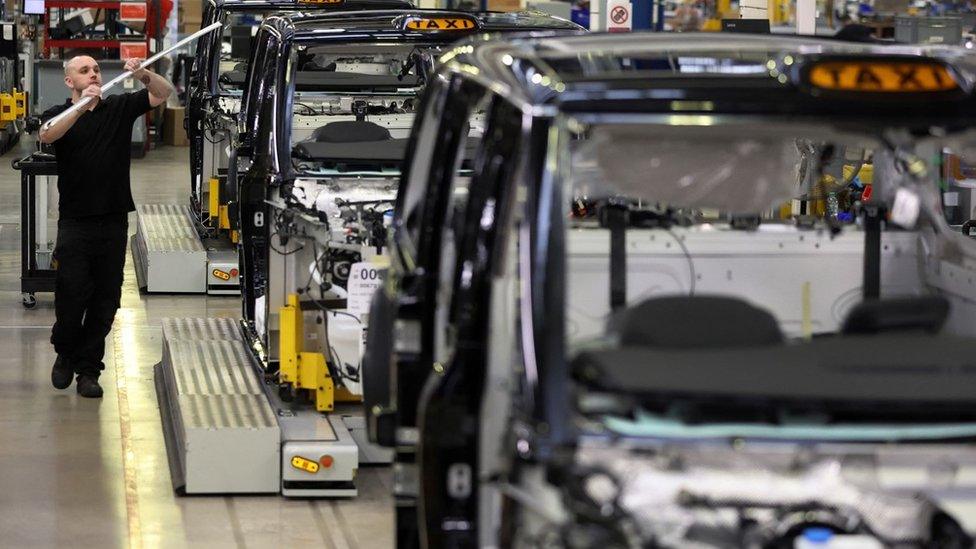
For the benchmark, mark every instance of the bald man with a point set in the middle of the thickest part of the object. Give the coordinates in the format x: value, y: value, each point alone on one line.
x: 93, y: 148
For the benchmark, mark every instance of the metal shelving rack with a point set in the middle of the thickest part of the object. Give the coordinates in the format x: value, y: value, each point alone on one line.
x: 110, y: 42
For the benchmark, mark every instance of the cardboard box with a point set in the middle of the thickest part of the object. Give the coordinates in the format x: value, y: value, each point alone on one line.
x: 173, y: 132
x: 190, y: 16
x: 505, y: 5
x: 187, y: 27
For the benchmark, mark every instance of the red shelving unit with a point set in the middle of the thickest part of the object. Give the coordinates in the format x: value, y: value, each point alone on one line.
x: 80, y: 4
x: 50, y: 43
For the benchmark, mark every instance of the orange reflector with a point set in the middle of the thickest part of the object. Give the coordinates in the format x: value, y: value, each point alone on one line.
x: 436, y: 24
x: 303, y: 464
x: 326, y: 461
x: 881, y: 76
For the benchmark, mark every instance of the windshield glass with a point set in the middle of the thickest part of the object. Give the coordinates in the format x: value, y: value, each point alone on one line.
x: 354, y: 105
x: 735, y: 250
x: 235, y: 47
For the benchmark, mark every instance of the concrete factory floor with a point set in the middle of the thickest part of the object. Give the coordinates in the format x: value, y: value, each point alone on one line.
x: 93, y: 473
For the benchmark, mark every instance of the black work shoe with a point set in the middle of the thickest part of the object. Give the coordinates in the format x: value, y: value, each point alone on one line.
x: 88, y: 387
x: 62, y: 373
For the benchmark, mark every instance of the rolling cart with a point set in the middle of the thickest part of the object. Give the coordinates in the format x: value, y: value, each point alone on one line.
x: 35, y: 276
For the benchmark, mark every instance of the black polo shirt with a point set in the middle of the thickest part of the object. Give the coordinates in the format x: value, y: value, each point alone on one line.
x: 94, y: 155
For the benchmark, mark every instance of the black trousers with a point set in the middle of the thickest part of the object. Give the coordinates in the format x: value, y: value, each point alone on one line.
x: 91, y: 256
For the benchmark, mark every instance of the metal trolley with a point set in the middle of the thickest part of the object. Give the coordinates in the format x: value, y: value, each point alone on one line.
x: 35, y: 276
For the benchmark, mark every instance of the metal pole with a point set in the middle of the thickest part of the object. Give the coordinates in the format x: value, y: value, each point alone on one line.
x: 86, y: 100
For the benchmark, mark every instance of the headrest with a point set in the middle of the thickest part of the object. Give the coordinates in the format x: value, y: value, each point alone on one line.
x: 925, y: 313
x: 350, y: 131
x: 696, y: 322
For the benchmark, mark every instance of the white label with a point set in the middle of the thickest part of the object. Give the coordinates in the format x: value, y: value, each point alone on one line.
x: 950, y: 199
x: 259, y: 219
x: 905, y: 210
x: 620, y: 16
x: 8, y: 32
x: 364, y: 279
x: 129, y: 83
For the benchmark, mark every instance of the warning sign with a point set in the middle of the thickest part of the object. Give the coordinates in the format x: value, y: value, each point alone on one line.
x: 619, y: 16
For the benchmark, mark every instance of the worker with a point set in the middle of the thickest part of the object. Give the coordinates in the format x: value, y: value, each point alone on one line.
x: 93, y: 148
x: 687, y: 18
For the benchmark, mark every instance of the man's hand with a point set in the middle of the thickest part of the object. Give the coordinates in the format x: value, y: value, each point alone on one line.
x: 95, y: 92
x: 134, y: 65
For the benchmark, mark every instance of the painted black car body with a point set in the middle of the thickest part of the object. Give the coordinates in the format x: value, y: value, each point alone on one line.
x: 204, y: 91
x: 265, y: 137
x: 532, y: 87
x: 264, y: 132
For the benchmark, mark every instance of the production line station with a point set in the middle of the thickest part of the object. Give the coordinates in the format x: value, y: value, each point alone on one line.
x: 513, y: 273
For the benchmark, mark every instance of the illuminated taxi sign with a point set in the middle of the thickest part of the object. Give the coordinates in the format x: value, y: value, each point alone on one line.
x: 881, y: 76
x: 439, y: 24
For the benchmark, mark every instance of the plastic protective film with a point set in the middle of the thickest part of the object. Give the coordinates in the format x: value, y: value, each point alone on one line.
x: 744, y: 174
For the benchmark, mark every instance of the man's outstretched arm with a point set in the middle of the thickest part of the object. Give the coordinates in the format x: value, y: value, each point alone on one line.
x: 159, y: 88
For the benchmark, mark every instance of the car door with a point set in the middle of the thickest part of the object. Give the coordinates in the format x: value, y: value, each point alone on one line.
x: 196, y: 108
x: 257, y: 111
x: 395, y: 376
x: 449, y: 407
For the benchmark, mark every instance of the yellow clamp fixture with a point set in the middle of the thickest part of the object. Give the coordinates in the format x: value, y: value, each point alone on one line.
x: 306, y: 371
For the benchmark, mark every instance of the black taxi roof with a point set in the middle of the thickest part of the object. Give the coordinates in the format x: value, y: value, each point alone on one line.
x: 388, y: 24
x: 700, y: 72
x: 282, y: 5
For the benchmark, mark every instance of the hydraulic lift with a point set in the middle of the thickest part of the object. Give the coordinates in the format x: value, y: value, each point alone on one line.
x: 228, y: 430
x: 171, y: 256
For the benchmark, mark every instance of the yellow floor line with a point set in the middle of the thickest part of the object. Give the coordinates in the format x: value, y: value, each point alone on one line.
x: 128, y: 454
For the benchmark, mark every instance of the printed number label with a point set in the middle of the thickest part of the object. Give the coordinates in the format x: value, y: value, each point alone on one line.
x: 369, y: 274
x: 364, y: 279
x: 459, y: 480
